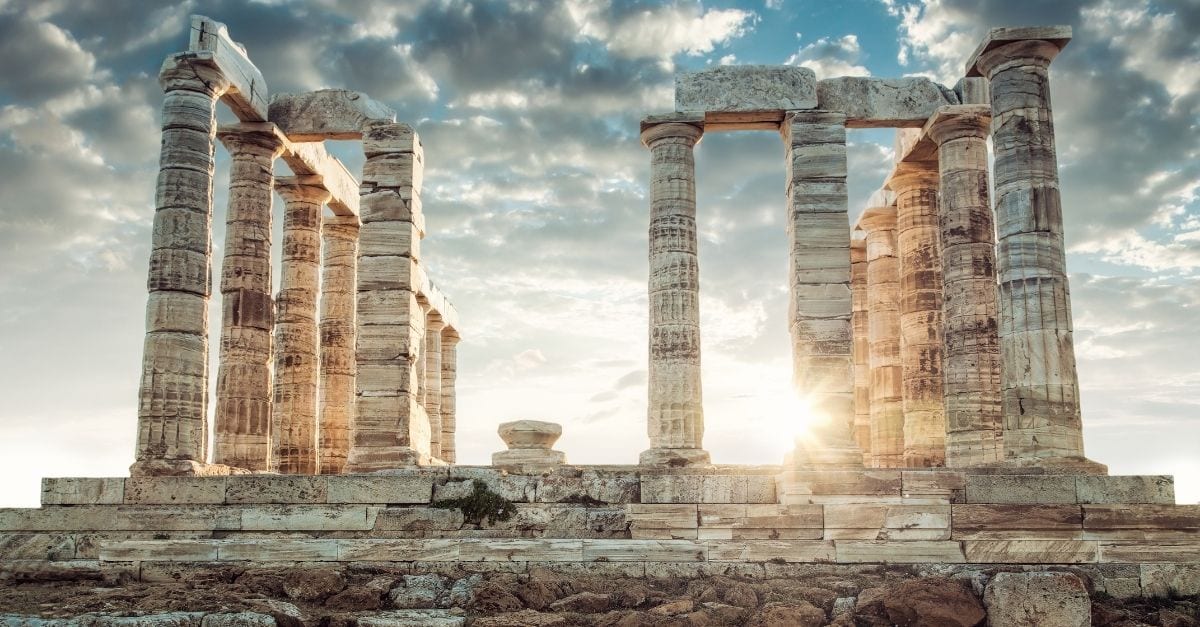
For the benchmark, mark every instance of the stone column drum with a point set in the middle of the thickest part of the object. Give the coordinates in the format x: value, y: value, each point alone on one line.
x: 172, y: 433
x: 819, y: 307
x: 1040, y: 384
x: 883, y: 294
x: 974, y: 425
x: 675, y: 416
x: 242, y: 430
x: 860, y: 324
x: 449, y: 398
x: 294, y: 423
x: 390, y: 428
x: 339, y: 236
x: 431, y: 390
x: 917, y: 249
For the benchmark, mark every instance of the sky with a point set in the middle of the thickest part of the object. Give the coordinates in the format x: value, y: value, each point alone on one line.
x: 536, y: 208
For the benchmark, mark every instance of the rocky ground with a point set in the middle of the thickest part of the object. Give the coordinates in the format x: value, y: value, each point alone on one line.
x: 382, y: 597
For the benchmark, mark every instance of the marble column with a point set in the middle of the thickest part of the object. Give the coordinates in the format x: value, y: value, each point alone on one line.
x: 883, y: 303
x: 242, y: 430
x: 675, y: 416
x: 819, y: 308
x: 294, y: 419
x: 172, y: 433
x: 974, y: 425
x: 449, y: 398
x: 339, y: 242
x: 431, y: 391
x: 919, y: 254
x: 1040, y: 384
x: 390, y: 428
x: 860, y: 323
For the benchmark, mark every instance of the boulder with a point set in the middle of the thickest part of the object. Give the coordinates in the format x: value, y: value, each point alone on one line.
x: 799, y: 614
x: 419, y: 592
x: 312, y: 585
x: 583, y: 603
x: 933, y: 601
x: 1050, y: 599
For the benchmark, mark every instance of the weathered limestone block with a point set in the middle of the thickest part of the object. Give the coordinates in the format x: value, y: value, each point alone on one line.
x: 1161, y: 580
x: 675, y: 416
x: 337, y: 358
x: 431, y: 381
x: 308, y: 518
x: 887, y: 522
x: 933, y: 486
x: 174, y: 490
x: 675, y: 488
x: 278, y: 550
x: 974, y: 417
x: 394, y: 520
x: 920, y: 308
x: 1142, y: 517
x: 973, y: 90
x: 449, y: 406
x: 1021, y: 489
x: 82, y: 491
x: 816, y: 487
x: 819, y: 265
x: 274, y: 489
x: 530, y: 445
x: 861, y: 343
x: 774, y: 551
x: 1017, y: 522
x: 1157, y: 489
x: 209, y: 43
x: 242, y: 419
x: 326, y: 114
x: 516, y: 488
x: 902, y: 552
x: 399, y: 550
x: 644, y: 550
x: 119, y: 518
x: 398, y: 488
x: 1031, y: 551
x: 663, y: 516
x: 1163, y: 551
x: 173, y: 396
x: 159, y: 551
x: 746, y: 96
x: 36, y: 546
x: 871, y: 102
x: 573, y: 484
x: 1047, y: 599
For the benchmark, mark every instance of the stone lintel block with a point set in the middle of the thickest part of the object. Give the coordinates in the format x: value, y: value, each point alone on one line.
x: 36, y: 546
x: 1167, y: 517
x: 398, y: 487
x: 278, y: 550
x: 996, y: 37
x: 665, y: 516
x: 209, y: 42
x: 175, y: 490
x: 1157, y: 489
x: 1031, y: 551
x: 869, y: 102
x: 1187, y: 552
x: 685, y: 117
x: 902, y: 552
x: 326, y: 114
x: 692, y: 488
x: 1020, y: 489
x: 308, y: 518
x: 644, y: 550
x: 83, y: 490
x: 746, y: 89
x: 973, y: 90
x: 788, y: 551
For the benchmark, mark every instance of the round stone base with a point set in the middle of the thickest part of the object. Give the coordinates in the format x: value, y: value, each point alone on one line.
x: 674, y: 457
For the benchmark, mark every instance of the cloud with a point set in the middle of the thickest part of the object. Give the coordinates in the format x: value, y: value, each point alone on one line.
x: 60, y: 61
x: 663, y: 32
x: 831, y: 58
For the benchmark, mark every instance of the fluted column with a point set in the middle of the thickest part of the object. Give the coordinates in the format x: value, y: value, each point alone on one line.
x: 917, y: 250
x: 449, y: 397
x: 242, y: 435
x: 172, y: 433
x: 675, y: 416
x: 1040, y: 384
x: 819, y: 309
x: 432, y: 388
x: 339, y: 237
x: 883, y: 303
x: 974, y: 425
x: 294, y: 420
x: 860, y: 324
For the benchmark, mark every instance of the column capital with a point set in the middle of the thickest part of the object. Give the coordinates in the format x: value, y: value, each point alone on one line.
x: 434, y: 321
x: 1027, y: 44
x: 958, y: 121
x: 298, y: 189
x: 908, y: 175
x: 858, y: 247
x: 685, y: 126
x: 185, y: 71
x: 262, y: 139
x: 875, y: 219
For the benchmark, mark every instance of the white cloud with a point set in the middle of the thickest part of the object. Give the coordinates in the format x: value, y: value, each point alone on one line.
x: 830, y: 58
x: 664, y: 32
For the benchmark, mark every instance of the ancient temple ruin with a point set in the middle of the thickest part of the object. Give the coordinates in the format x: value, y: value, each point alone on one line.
x: 932, y: 339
